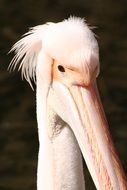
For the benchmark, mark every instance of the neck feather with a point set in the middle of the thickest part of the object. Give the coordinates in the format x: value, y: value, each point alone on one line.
x: 59, y: 161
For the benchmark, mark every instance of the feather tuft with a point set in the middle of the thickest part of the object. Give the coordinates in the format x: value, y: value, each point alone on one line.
x: 26, y: 53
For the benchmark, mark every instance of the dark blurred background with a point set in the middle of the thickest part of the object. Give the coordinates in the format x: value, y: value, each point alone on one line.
x: 18, y: 127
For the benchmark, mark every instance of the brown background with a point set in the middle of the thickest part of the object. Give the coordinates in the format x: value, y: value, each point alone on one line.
x: 18, y: 128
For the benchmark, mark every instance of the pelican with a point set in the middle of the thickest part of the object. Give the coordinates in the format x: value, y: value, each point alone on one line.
x: 63, y: 59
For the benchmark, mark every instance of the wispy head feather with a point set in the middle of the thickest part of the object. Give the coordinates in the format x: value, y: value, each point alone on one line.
x: 70, y: 42
x: 26, y: 52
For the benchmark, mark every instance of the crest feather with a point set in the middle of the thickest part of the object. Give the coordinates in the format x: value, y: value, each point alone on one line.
x: 26, y: 52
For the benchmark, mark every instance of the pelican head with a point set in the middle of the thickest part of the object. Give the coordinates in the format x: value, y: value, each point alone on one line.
x: 63, y: 59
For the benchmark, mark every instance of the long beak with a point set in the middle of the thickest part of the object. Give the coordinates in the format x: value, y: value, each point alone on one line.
x: 86, y: 117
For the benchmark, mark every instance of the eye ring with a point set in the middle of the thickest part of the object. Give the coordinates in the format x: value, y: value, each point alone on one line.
x: 61, y: 68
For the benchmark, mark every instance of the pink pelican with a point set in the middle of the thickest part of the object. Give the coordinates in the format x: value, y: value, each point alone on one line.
x: 63, y: 59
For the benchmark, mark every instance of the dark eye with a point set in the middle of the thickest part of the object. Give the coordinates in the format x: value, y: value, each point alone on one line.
x: 61, y: 68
